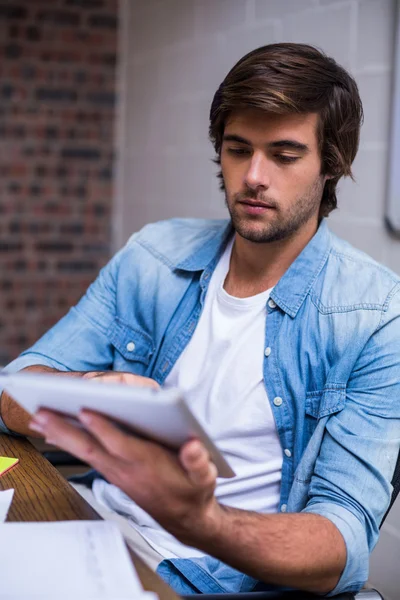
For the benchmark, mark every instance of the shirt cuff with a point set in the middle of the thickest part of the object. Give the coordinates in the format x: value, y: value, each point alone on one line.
x: 355, y: 573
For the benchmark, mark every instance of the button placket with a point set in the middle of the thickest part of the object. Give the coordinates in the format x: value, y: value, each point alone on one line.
x: 273, y: 319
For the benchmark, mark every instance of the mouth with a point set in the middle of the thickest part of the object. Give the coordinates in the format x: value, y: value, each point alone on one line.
x: 255, y: 206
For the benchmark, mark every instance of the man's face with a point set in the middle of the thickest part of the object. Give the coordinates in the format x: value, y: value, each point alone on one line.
x: 271, y: 169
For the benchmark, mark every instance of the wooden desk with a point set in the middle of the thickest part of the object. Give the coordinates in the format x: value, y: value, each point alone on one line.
x: 42, y: 494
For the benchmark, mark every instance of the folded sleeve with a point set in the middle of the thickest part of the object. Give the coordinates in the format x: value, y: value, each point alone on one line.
x: 79, y: 341
x: 351, y: 483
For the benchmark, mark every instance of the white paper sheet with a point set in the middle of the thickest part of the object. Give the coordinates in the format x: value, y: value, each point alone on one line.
x: 5, y: 502
x: 69, y: 559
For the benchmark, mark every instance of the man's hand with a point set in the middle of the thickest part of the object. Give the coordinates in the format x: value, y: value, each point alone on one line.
x: 120, y: 377
x: 304, y: 551
x: 176, y: 490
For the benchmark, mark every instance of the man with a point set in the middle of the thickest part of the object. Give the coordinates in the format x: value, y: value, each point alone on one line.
x: 285, y: 340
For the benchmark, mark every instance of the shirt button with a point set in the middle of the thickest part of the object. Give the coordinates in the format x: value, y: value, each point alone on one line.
x: 284, y: 508
x: 287, y: 452
x: 271, y: 303
x: 278, y: 401
x: 130, y: 346
x: 267, y: 351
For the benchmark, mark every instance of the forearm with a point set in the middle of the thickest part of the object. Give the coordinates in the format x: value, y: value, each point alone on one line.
x: 303, y: 551
x: 14, y: 416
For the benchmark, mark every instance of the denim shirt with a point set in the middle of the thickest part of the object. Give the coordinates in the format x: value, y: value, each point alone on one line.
x: 332, y: 376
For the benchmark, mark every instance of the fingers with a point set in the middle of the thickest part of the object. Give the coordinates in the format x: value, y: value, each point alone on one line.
x: 196, y: 461
x: 121, y: 377
x: 116, y: 442
x: 70, y: 438
x: 131, y: 379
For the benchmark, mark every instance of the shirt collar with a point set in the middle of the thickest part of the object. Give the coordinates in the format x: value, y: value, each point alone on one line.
x: 208, y: 249
x: 291, y: 290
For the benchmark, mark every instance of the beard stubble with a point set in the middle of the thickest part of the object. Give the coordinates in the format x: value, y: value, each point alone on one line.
x: 282, y: 225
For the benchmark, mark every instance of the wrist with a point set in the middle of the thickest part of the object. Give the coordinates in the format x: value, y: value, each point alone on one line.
x: 205, y: 528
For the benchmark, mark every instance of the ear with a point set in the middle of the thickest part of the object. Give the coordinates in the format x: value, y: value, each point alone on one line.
x: 328, y: 177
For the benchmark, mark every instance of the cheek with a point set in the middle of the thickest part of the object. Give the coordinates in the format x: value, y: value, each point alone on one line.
x: 233, y: 174
x: 227, y: 175
x: 301, y: 180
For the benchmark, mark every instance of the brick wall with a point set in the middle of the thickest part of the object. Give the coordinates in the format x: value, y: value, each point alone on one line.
x: 57, y: 93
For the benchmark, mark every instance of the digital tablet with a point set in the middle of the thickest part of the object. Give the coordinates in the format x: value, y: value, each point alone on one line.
x: 160, y: 415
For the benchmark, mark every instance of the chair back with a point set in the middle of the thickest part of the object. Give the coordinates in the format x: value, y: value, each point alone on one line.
x: 396, y: 487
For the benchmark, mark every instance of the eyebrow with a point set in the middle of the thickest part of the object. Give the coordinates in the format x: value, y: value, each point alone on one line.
x: 231, y: 137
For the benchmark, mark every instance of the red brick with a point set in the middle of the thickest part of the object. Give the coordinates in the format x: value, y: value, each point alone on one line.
x: 54, y: 212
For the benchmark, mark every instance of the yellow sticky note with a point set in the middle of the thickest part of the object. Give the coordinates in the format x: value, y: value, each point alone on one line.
x: 6, y: 463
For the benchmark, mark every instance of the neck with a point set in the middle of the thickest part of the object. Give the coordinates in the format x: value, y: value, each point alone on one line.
x: 256, y: 267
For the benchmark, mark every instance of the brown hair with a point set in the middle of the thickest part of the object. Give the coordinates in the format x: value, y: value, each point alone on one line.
x: 288, y: 78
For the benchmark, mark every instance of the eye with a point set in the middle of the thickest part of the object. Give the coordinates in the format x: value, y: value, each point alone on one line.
x: 238, y: 151
x: 285, y: 159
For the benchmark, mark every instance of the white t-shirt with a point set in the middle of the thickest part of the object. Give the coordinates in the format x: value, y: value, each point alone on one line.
x: 221, y: 374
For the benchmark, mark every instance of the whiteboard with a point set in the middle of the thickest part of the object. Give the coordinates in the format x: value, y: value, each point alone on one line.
x: 392, y: 216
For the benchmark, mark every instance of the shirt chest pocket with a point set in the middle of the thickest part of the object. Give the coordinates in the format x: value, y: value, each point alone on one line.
x: 323, y: 403
x: 133, y: 348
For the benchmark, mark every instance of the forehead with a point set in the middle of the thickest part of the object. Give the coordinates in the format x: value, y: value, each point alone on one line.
x: 259, y: 127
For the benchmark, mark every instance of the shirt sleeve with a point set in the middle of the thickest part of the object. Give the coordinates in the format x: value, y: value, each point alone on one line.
x: 351, y: 483
x: 79, y: 341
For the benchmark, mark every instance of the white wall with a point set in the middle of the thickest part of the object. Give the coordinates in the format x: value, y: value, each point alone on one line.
x: 175, y: 53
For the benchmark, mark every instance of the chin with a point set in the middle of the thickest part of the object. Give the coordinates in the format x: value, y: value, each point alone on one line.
x: 260, y: 234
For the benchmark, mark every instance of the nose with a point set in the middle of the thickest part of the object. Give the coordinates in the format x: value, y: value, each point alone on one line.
x: 257, y: 175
